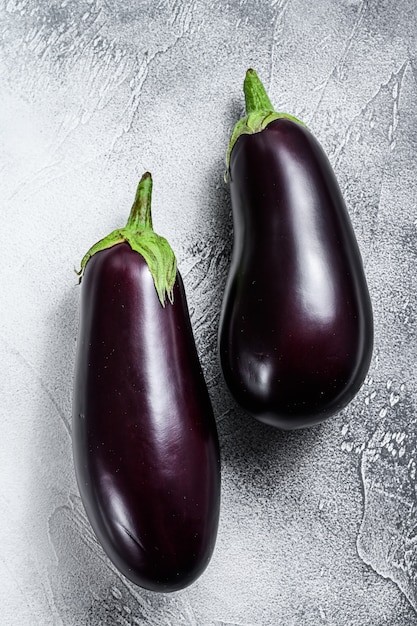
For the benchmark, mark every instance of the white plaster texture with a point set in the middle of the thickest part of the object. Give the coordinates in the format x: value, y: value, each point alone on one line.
x: 318, y: 526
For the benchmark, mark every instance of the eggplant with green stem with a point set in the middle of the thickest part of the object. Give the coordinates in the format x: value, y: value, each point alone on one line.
x: 145, y: 444
x: 296, y: 328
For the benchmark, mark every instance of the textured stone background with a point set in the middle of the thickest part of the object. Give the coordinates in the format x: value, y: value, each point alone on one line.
x: 318, y: 527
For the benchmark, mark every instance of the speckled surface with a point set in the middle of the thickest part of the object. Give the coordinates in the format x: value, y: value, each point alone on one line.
x: 318, y: 527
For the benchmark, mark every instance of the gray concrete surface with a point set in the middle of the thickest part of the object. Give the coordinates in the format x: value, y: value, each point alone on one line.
x: 318, y: 527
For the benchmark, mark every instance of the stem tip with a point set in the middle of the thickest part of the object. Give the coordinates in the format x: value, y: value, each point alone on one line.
x: 256, y: 97
x: 140, y: 214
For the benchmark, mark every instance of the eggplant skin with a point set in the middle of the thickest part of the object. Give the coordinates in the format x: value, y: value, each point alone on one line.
x: 145, y: 444
x: 296, y: 328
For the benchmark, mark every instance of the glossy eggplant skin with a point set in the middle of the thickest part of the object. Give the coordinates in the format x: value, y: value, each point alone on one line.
x: 145, y: 444
x: 296, y: 329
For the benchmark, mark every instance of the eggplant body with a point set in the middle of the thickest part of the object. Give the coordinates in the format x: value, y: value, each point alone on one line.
x: 296, y: 330
x: 145, y: 445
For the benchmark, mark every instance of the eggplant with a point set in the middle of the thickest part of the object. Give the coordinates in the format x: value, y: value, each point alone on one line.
x: 296, y: 326
x: 145, y: 444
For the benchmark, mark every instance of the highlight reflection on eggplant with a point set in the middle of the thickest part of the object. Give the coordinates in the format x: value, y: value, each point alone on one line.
x: 296, y: 329
x: 145, y: 444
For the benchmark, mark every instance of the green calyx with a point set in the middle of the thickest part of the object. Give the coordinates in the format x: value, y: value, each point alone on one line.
x: 259, y: 110
x: 139, y: 234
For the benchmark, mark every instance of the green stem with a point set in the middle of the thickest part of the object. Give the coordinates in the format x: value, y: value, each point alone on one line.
x: 140, y: 217
x: 140, y: 236
x: 259, y: 112
x: 256, y: 97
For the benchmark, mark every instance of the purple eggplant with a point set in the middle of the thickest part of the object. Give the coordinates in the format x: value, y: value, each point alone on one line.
x: 296, y: 328
x: 145, y: 444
